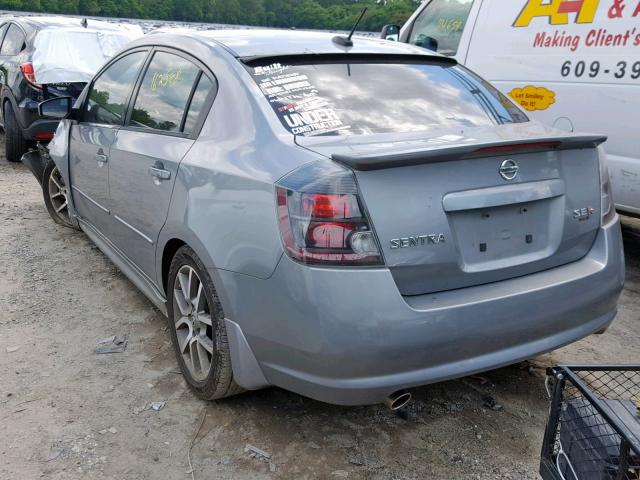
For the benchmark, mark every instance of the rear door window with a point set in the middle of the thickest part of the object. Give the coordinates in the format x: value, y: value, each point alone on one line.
x: 368, y: 95
x: 440, y: 25
x: 164, y: 93
x: 110, y: 92
x: 198, y: 102
x: 14, y: 41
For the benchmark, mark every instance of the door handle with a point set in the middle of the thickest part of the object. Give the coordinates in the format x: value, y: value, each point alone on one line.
x: 101, y: 158
x: 159, y: 173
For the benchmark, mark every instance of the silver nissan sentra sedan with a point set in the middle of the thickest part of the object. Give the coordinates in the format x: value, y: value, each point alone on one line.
x: 344, y: 222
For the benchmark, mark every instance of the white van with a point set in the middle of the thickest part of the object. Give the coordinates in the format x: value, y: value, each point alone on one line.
x: 574, y: 64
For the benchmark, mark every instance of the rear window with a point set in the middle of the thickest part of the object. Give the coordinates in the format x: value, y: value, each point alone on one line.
x: 363, y: 97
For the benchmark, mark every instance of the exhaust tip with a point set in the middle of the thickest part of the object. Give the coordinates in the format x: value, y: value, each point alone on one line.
x: 397, y: 400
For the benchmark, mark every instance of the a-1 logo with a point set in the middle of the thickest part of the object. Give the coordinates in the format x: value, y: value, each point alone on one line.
x: 557, y: 11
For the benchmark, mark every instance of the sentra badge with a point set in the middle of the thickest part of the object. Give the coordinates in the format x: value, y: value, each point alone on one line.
x: 417, y: 241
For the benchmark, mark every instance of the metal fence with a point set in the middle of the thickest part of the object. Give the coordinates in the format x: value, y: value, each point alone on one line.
x: 593, y: 431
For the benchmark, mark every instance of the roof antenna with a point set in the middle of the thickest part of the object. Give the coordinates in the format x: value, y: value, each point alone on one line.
x: 346, y: 41
x: 84, y: 22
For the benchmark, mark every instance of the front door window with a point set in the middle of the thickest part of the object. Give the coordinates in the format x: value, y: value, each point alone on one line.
x: 110, y: 92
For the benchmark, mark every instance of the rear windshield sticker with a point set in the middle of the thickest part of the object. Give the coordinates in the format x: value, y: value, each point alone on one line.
x: 314, y: 121
x: 296, y: 101
x: 533, y: 98
x: 273, y: 69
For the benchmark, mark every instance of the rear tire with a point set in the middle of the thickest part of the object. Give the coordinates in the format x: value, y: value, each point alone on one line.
x: 15, y: 144
x: 56, y: 196
x: 198, y: 333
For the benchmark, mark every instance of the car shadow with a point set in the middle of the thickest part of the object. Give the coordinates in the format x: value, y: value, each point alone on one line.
x: 445, y: 424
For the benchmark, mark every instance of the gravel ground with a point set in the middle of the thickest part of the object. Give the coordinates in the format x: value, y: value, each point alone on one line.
x: 68, y: 413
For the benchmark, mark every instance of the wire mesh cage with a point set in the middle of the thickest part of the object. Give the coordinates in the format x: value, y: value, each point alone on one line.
x: 593, y: 432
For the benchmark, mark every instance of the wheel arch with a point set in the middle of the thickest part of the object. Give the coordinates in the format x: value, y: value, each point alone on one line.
x: 171, y: 239
x: 168, y: 252
x: 7, y: 98
x: 5, y: 101
x: 246, y: 369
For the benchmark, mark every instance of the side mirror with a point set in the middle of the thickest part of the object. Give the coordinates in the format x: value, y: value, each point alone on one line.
x: 390, y: 32
x: 55, y: 107
x: 427, y: 42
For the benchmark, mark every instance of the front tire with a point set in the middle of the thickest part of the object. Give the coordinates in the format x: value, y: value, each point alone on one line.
x: 15, y: 144
x: 56, y: 196
x: 198, y: 333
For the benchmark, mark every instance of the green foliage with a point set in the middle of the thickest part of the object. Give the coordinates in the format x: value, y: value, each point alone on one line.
x: 321, y: 14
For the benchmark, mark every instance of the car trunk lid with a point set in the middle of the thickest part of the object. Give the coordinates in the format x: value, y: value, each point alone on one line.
x: 464, y: 208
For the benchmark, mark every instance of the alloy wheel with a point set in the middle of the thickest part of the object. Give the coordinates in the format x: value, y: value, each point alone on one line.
x: 193, y: 323
x: 59, y: 196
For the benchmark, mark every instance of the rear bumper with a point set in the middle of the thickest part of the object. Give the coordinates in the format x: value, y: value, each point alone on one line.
x: 33, y: 126
x: 40, y: 130
x: 348, y: 337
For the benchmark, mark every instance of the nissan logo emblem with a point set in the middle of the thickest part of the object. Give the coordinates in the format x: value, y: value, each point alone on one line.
x: 509, y: 170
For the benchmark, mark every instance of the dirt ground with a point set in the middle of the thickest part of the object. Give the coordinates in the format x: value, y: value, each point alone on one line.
x: 69, y: 413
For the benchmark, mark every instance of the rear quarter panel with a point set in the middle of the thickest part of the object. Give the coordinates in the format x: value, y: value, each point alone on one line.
x: 223, y: 203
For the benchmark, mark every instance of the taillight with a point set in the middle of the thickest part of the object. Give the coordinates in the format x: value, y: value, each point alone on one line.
x: 607, y: 204
x: 30, y: 74
x: 322, y: 220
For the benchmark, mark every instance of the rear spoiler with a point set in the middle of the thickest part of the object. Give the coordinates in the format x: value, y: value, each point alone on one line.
x: 317, y: 58
x: 462, y: 152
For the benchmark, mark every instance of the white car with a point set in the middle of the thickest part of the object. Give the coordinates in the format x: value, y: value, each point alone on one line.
x: 573, y: 64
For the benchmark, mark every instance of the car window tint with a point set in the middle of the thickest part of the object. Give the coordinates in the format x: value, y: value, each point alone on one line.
x: 442, y: 21
x: 164, y: 93
x: 108, y: 96
x: 364, y: 97
x: 205, y: 85
x: 13, y: 41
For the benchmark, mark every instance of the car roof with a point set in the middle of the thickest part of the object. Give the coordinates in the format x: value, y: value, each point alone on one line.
x: 42, y: 21
x: 38, y: 21
x: 243, y: 43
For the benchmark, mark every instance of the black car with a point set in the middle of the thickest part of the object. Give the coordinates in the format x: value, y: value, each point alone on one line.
x: 46, y: 57
x: 19, y: 91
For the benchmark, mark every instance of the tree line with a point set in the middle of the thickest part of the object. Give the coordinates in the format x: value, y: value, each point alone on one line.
x: 320, y: 14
